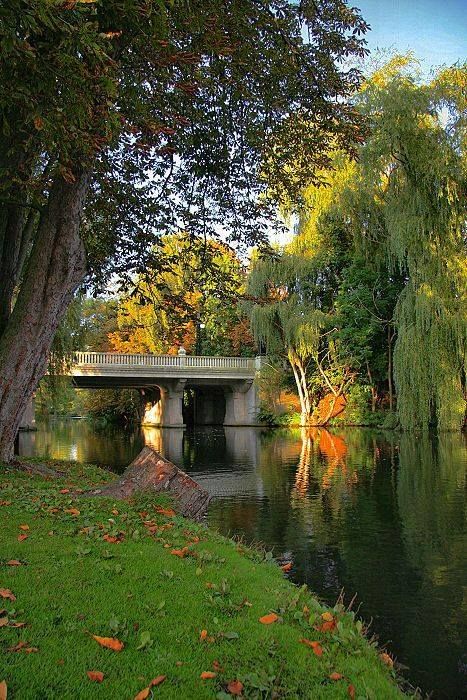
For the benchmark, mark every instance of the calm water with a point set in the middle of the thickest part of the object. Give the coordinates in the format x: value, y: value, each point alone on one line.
x: 379, y: 515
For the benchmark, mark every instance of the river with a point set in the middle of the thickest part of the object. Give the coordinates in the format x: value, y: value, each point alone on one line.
x: 376, y: 515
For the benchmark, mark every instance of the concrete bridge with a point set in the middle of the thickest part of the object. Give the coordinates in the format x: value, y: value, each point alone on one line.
x: 222, y: 388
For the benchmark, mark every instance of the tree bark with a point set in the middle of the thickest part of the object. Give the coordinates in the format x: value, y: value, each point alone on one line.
x: 56, y: 267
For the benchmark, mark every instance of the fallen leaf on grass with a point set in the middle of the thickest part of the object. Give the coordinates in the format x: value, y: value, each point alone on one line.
x: 386, y: 659
x: 109, y: 642
x: 72, y: 511
x: 287, y: 567
x: 3, y: 690
x: 235, y: 687
x: 207, y: 675
x: 180, y: 552
x: 14, y: 562
x: 24, y: 527
x: 111, y: 539
x: 269, y: 619
x: 21, y: 538
x: 3, y: 621
x: 5, y: 503
x: 169, y: 512
x: 351, y: 690
x: 329, y: 624
x: 6, y: 593
x: 203, y: 635
x: 64, y: 491
x: 23, y: 646
x: 336, y: 676
x: 316, y: 646
x: 143, y: 694
x: 217, y: 667
x: 97, y: 676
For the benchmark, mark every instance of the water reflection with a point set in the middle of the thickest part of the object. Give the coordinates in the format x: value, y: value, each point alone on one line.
x: 378, y: 515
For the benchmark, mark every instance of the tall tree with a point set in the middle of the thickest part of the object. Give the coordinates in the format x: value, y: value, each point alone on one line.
x: 409, y: 198
x: 122, y: 119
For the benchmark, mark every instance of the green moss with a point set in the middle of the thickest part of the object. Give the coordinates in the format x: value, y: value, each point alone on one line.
x: 73, y: 584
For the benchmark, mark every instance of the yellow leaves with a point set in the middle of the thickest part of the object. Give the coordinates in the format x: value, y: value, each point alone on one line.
x: 208, y: 675
x: 24, y: 527
x: 143, y: 694
x: 3, y: 621
x: 316, y: 646
x: 96, y: 676
x: 269, y: 619
x: 6, y: 593
x: 3, y: 690
x: 109, y: 642
x: 235, y: 688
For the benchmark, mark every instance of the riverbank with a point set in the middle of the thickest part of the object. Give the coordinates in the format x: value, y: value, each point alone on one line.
x: 189, y: 607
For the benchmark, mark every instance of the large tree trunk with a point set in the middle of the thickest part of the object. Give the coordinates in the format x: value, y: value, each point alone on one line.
x: 55, y: 269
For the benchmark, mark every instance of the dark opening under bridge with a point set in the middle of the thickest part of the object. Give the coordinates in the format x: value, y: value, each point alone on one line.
x: 224, y: 391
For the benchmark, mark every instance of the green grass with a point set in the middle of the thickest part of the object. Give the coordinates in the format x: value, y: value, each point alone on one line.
x: 73, y: 584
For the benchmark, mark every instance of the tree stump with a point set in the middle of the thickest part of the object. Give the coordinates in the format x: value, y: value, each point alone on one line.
x: 149, y: 471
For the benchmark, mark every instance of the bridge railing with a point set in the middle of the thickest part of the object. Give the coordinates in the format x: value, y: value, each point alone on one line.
x: 173, y: 361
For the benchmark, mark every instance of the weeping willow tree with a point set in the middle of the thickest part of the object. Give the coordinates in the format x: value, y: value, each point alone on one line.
x: 283, y: 319
x: 413, y: 170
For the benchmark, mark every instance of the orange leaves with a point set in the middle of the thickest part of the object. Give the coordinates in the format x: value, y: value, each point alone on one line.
x: 180, y: 552
x: 6, y: 593
x: 3, y: 690
x: 24, y: 527
x: 113, y: 539
x: 316, y: 646
x: 72, y: 511
x: 203, y: 635
x: 335, y: 676
x: 143, y: 694
x: 5, y: 503
x: 64, y: 491
x: 286, y: 567
x: 235, y: 687
x: 169, y: 512
x: 96, y: 676
x: 329, y: 623
x: 208, y: 675
x: 386, y: 659
x: 21, y: 538
x: 109, y: 642
x: 269, y: 619
x: 351, y: 690
x: 23, y: 646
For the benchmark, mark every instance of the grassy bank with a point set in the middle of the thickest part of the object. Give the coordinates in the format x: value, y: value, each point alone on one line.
x: 183, y: 600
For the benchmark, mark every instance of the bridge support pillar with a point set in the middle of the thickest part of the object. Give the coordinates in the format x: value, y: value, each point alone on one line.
x: 241, y: 404
x: 167, y: 410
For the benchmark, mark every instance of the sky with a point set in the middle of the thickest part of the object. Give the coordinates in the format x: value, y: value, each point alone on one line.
x: 435, y: 30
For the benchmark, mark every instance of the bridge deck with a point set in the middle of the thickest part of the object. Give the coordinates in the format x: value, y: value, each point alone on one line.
x: 130, y: 368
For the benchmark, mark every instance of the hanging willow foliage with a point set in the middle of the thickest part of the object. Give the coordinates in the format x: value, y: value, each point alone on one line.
x: 415, y: 167
x: 406, y: 199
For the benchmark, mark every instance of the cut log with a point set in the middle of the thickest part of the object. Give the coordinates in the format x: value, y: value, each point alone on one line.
x: 149, y: 471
